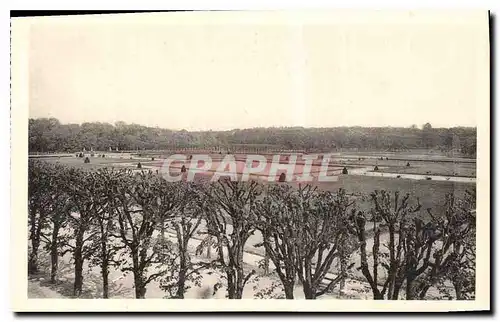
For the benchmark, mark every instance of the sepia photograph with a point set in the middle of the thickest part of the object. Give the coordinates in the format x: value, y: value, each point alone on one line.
x: 275, y: 158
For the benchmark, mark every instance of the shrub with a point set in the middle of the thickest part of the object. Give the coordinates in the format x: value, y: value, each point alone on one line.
x: 87, y: 160
x: 408, y: 164
x: 103, y: 155
x: 183, y: 169
x: 376, y: 168
x: 81, y: 155
x: 152, y: 159
x: 139, y: 165
x: 282, y: 177
x: 344, y: 171
x: 92, y: 154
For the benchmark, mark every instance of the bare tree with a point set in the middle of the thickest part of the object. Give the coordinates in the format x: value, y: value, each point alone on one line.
x: 419, y: 244
x: 105, y: 225
x: 48, y: 207
x: 453, y: 256
x: 85, y: 192
x: 140, y: 210
x: 279, y: 233
x: 304, y: 231
x: 40, y: 182
x: 230, y: 216
x: 322, y: 222
x: 386, y: 217
x: 184, y: 222
x: 58, y: 220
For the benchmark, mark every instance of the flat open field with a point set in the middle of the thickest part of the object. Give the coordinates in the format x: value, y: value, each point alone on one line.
x: 360, y: 181
x: 430, y: 193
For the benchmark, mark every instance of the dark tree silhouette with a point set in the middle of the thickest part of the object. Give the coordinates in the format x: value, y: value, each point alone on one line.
x: 141, y: 209
x: 44, y: 199
x: 304, y: 231
x: 230, y: 216
x: 388, y: 214
x: 86, y: 198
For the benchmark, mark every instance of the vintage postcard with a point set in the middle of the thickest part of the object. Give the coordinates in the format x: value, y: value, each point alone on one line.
x: 251, y: 161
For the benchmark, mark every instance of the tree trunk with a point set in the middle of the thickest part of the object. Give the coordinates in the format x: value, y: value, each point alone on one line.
x: 410, y: 294
x: 77, y: 287
x: 239, y: 293
x: 104, y: 262
x: 181, y: 285
x: 266, y: 263
x: 33, y: 258
x: 240, y: 277
x: 458, y: 290
x: 343, y: 271
x: 54, y: 256
x: 309, y: 292
x: 396, y: 289
x: 140, y: 288
x: 288, y: 290
x: 105, y: 271
x: 181, y: 282
x: 209, y: 251
x: 231, y: 284
x: 105, y: 282
x: 35, y: 243
x: 78, y: 256
x: 399, y: 278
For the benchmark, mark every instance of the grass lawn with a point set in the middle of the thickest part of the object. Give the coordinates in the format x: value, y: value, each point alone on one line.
x: 431, y: 193
x: 460, y: 169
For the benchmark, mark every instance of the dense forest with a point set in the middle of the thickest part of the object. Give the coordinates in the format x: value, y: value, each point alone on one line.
x: 50, y: 135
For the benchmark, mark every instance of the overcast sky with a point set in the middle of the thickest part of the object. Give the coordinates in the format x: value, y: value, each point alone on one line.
x: 223, y: 71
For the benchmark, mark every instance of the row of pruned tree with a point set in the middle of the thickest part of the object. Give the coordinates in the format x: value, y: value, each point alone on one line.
x: 141, y: 224
x: 111, y: 219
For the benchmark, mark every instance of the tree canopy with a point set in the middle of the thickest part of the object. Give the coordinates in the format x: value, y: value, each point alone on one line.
x: 50, y: 135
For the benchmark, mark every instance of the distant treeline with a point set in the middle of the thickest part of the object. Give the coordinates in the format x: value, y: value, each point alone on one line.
x: 49, y: 135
